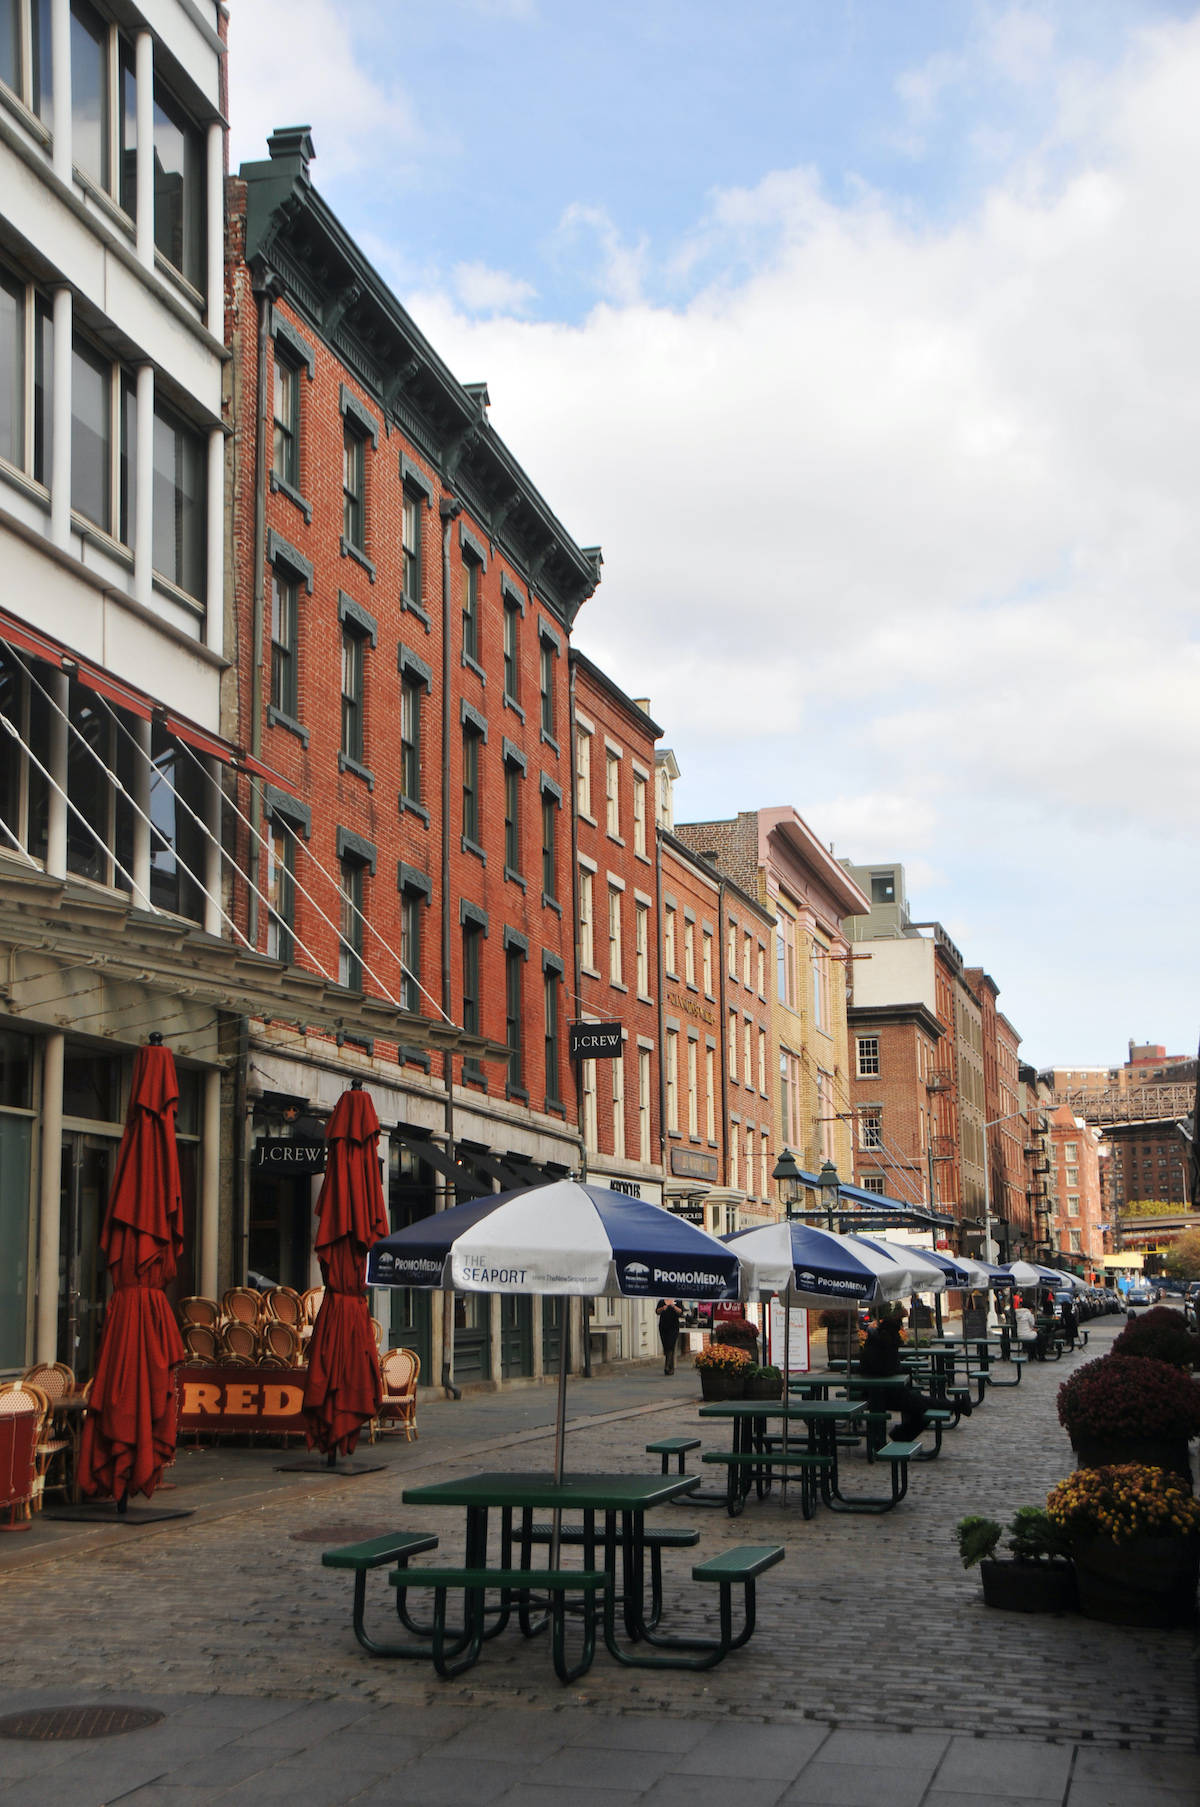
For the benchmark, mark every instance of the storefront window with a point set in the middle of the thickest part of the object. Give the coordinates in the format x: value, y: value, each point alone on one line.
x: 16, y: 1133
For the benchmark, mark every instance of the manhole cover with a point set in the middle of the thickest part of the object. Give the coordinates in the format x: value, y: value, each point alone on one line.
x: 46, y: 1723
x: 333, y: 1535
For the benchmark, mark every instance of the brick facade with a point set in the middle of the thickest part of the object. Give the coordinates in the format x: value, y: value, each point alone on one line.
x: 616, y: 905
x: 893, y: 1051
x: 404, y: 671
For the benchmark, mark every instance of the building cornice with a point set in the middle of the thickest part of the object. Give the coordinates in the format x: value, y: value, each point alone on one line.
x: 800, y: 840
x: 861, y: 1016
x: 292, y: 233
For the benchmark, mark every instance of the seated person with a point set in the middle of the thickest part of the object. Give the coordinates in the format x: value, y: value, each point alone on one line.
x: 880, y: 1357
x: 1028, y: 1334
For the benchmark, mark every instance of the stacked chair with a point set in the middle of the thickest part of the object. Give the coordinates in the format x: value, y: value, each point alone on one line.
x: 249, y: 1328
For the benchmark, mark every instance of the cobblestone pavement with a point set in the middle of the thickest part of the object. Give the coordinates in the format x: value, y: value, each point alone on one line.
x: 876, y: 1671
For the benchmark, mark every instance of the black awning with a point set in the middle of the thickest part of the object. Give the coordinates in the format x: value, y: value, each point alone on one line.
x: 427, y: 1150
x: 501, y: 1169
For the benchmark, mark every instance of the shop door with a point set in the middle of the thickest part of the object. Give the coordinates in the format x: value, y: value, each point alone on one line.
x: 281, y: 1230
x: 552, y: 1319
x: 516, y: 1336
x: 87, y: 1167
x: 472, y: 1337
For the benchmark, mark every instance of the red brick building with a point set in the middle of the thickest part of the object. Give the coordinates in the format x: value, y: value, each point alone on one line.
x: 894, y: 1054
x: 1004, y: 1124
x: 403, y: 599
x: 616, y: 915
x: 1077, y: 1225
x: 720, y: 1050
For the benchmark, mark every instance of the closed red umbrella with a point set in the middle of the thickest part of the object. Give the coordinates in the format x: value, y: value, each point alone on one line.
x: 344, y: 1386
x: 129, y: 1431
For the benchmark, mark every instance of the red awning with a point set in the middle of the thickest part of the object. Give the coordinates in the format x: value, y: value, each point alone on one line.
x: 127, y: 696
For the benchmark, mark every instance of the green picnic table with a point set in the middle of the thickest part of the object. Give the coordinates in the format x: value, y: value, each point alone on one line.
x: 613, y: 1509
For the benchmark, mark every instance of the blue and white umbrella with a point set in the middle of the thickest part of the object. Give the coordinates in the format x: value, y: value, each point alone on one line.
x: 563, y: 1238
x: 566, y: 1239
x: 924, y: 1275
x: 815, y: 1268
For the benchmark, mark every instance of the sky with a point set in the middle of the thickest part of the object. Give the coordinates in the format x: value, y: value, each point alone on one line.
x: 861, y: 336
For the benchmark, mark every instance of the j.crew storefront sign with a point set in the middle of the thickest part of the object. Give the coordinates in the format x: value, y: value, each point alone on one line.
x: 276, y: 1154
x: 595, y: 1041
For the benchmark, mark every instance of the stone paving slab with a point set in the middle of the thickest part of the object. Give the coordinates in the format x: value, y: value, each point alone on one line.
x: 876, y: 1671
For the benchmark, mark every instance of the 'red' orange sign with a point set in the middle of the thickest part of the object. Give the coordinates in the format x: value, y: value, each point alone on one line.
x: 241, y: 1399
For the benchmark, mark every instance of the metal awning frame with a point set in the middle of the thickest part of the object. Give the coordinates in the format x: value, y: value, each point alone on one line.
x: 65, y: 921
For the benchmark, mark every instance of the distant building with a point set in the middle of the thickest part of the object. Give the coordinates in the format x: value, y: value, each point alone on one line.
x: 1077, y: 1224
x: 773, y: 855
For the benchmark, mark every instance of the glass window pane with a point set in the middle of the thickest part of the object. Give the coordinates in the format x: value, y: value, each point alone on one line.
x: 89, y: 93
x: 10, y: 44
x: 127, y: 131
x: 91, y: 434
x: 12, y: 370
x: 128, y: 469
x: 15, y: 1134
x: 41, y: 86
x: 43, y: 388
x: 178, y: 192
x: 179, y: 504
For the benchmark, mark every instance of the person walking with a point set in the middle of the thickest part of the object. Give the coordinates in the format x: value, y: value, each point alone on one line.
x: 670, y: 1316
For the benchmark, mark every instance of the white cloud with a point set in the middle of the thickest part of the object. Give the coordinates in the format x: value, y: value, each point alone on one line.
x: 483, y: 290
x: 905, y: 517
x: 293, y: 61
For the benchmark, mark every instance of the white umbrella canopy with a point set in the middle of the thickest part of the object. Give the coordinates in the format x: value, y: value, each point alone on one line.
x: 921, y: 1276
x: 566, y: 1239
x: 816, y: 1268
x: 1031, y: 1273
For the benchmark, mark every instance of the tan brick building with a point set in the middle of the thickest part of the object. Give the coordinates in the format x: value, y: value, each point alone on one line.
x: 773, y: 854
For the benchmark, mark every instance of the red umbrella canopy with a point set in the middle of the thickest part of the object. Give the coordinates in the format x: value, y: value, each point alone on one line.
x: 142, y: 1236
x: 344, y: 1388
x: 129, y: 1432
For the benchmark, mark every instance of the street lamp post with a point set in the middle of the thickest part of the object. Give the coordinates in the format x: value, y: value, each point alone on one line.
x: 789, y: 1179
x: 830, y: 1186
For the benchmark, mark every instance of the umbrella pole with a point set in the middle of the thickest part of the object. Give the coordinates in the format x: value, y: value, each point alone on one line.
x: 560, y: 1422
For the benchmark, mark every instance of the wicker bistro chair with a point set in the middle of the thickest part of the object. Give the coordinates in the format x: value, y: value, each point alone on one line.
x: 239, y: 1342
x: 17, y: 1396
x: 20, y: 1422
x: 55, y: 1381
x: 281, y: 1343
x: 311, y: 1301
x: 243, y: 1305
x: 202, y: 1342
x: 283, y: 1306
x: 401, y: 1369
x: 199, y: 1311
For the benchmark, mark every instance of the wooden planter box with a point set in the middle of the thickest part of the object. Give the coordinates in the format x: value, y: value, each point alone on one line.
x: 1029, y: 1586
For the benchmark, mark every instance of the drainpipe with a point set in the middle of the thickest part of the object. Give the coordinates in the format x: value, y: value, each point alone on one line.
x: 266, y: 287
x: 723, y: 1032
x: 449, y: 508
x: 662, y: 1002
x: 577, y: 977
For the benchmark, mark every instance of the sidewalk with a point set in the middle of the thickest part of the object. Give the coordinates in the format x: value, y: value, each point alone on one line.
x: 876, y: 1674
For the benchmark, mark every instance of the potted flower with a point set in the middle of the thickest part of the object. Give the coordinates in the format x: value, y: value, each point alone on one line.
x: 1037, y: 1578
x: 1124, y: 1408
x: 764, y: 1383
x: 722, y: 1370
x: 1163, y: 1336
x: 1134, y: 1535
